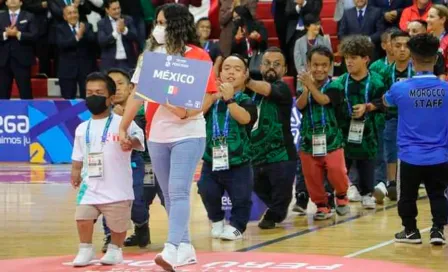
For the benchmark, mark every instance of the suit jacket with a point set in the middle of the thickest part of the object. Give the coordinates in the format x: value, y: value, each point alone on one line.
x: 108, y: 43
x: 372, y: 24
x: 301, y: 49
x: 241, y: 47
x: 75, y: 57
x: 312, y: 6
x: 40, y: 14
x: 57, y: 10
x: 21, y: 50
x: 398, y: 5
x: 226, y: 23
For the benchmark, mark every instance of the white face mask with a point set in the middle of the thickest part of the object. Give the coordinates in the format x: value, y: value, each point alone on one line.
x: 159, y: 34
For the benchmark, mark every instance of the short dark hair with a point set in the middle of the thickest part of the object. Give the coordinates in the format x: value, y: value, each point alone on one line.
x: 310, y: 19
x: 120, y: 71
x: 275, y: 49
x: 98, y: 76
x: 424, y: 48
x: 388, y: 33
x: 240, y: 57
x: 320, y: 50
x: 107, y: 3
x: 202, y: 19
x: 399, y: 33
x: 422, y: 22
x: 357, y: 45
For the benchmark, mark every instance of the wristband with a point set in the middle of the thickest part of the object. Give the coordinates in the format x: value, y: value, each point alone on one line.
x: 230, y: 101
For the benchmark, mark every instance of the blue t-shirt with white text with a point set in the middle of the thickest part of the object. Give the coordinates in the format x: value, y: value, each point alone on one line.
x: 422, y: 102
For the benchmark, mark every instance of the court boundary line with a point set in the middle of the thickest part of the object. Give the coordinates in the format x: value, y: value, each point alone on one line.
x: 306, y: 231
x: 377, y: 246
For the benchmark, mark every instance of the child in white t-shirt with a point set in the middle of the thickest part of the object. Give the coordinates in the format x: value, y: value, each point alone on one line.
x: 103, y: 172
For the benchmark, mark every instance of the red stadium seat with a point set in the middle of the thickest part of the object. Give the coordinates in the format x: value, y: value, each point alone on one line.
x: 263, y: 10
x: 38, y: 85
x: 273, y: 41
x: 35, y: 68
x: 291, y: 84
x: 334, y: 43
x: 328, y: 9
x: 329, y: 26
x: 270, y: 27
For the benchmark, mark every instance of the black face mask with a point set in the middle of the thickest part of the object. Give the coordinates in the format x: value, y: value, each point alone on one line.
x: 96, y: 104
x: 270, y: 76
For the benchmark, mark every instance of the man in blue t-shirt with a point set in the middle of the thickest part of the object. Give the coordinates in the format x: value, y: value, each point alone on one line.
x: 422, y: 140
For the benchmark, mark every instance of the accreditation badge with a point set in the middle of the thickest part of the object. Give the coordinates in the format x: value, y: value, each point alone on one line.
x: 95, y: 165
x: 149, y: 178
x: 220, y: 157
x: 319, y: 142
x: 356, y: 131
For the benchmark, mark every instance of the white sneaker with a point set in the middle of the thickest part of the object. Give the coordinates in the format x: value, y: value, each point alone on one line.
x: 368, y: 202
x: 167, y: 259
x: 353, y: 194
x: 85, y: 255
x: 114, y: 255
x: 186, y: 255
x: 217, y: 229
x: 380, y: 192
x: 231, y: 234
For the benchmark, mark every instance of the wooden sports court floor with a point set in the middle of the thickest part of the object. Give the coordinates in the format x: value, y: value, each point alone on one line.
x: 37, y: 208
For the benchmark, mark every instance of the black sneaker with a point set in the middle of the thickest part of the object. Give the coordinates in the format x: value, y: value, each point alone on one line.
x: 331, y: 202
x: 408, y: 237
x: 301, y: 203
x: 392, y: 190
x: 437, y: 237
x: 140, y: 237
x: 106, y: 243
x: 266, y: 224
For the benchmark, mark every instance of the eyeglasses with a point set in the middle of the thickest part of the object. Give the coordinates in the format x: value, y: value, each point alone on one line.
x: 269, y: 64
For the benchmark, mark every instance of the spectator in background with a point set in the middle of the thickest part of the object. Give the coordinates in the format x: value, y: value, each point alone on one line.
x: 418, y: 11
x: 249, y: 35
x: 39, y: 8
x: 341, y: 6
x: 363, y: 19
x: 296, y: 10
x: 74, y: 40
x: 420, y: 27
x: 391, y: 10
x: 437, y: 24
x: 281, y: 23
x: 308, y: 41
x: 386, y: 45
x: 117, y: 37
x: 226, y: 8
x: 16, y: 49
x: 203, y: 28
x: 134, y: 9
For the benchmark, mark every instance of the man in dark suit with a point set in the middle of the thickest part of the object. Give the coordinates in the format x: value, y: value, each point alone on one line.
x: 76, y: 60
x: 363, y: 19
x: 117, y: 38
x: 39, y: 8
x: 391, y: 10
x: 296, y: 11
x: 134, y: 9
x: 16, y: 49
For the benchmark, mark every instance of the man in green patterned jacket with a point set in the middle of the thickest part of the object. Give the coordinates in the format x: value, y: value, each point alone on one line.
x: 381, y: 64
x: 226, y: 159
x: 274, y: 155
x: 321, y: 145
x: 401, y: 69
x: 362, y: 91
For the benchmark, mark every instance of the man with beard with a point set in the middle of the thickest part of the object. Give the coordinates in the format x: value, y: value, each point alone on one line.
x: 274, y: 156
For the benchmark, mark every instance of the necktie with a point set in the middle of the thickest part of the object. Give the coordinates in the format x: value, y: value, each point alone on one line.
x: 360, y: 17
x: 74, y: 30
x: 13, y: 19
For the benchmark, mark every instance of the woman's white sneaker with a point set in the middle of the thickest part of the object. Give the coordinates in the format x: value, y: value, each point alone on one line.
x: 217, y: 229
x: 86, y: 254
x: 114, y: 255
x: 231, y: 234
x: 186, y: 255
x: 167, y: 259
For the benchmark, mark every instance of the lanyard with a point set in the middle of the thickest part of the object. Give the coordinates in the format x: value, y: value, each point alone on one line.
x: 386, y: 61
x: 103, y: 137
x: 424, y: 73
x: 206, y: 45
x: 366, y: 94
x: 310, y: 106
x: 217, y: 133
x: 442, y: 35
x: 394, y: 68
